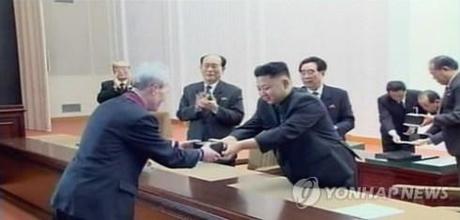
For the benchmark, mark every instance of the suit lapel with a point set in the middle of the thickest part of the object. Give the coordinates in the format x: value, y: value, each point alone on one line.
x: 395, y: 106
x: 218, y: 91
x: 326, y: 96
x: 199, y: 88
x: 448, y: 93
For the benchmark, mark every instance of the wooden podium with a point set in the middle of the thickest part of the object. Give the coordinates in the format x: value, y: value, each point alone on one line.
x: 12, y: 121
x: 11, y: 107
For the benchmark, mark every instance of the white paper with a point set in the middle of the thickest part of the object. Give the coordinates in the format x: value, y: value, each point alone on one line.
x: 369, y: 211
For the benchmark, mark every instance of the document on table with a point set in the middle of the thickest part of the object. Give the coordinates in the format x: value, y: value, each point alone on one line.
x: 369, y: 211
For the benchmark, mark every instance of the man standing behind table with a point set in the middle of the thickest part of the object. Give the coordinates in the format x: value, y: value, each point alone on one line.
x: 393, y: 107
x: 312, y: 71
x: 212, y: 107
x: 118, y: 85
x: 444, y: 70
x: 430, y: 101
x: 296, y: 126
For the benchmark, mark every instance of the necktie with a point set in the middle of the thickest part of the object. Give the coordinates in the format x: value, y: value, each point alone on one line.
x: 208, y: 92
x: 206, y: 129
x: 122, y: 86
x: 315, y: 93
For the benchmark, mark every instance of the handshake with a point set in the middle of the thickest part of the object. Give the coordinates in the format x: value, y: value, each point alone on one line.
x: 212, y: 150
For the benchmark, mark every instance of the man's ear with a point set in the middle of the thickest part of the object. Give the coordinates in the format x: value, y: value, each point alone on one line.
x: 152, y: 89
x: 286, y: 81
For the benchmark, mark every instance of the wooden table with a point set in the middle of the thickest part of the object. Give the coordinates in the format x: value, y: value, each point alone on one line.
x: 31, y: 169
x: 382, y: 173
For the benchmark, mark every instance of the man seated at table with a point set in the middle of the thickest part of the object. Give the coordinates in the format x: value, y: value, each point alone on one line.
x: 297, y: 127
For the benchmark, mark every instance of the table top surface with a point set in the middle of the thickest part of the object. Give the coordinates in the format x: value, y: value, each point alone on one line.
x: 223, y: 195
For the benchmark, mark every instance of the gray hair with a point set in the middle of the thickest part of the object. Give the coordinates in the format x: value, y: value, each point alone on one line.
x: 148, y: 74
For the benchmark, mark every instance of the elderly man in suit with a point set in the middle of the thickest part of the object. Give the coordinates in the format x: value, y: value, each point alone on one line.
x: 118, y: 85
x: 393, y: 107
x: 212, y: 107
x: 102, y: 179
x: 444, y: 70
x: 430, y: 101
x: 336, y: 100
x: 296, y: 126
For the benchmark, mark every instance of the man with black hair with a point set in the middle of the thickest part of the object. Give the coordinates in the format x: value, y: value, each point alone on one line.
x: 444, y: 69
x: 336, y: 100
x: 296, y: 126
x: 393, y: 107
x: 212, y: 107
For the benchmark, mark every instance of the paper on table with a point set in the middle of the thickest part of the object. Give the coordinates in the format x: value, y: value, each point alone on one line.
x: 438, y: 162
x: 206, y: 171
x: 369, y: 211
x: 406, y: 142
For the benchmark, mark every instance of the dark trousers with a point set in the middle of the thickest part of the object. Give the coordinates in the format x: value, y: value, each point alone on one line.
x: 59, y: 215
x: 353, y: 181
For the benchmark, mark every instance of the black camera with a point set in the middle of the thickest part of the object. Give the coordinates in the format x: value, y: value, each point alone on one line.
x: 414, y: 137
x: 217, y: 146
x: 413, y: 119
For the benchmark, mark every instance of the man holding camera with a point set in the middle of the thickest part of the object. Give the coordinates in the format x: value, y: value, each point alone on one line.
x: 212, y: 107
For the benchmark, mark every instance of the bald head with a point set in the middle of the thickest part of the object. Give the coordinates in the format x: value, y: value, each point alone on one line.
x: 430, y: 101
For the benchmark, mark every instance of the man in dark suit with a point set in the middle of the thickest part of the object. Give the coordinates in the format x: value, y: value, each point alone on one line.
x: 212, y: 107
x: 102, y: 179
x: 118, y: 85
x: 393, y: 107
x: 312, y: 71
x: 444, y: 69
x: 296, y: 126
x: 430, y: 101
